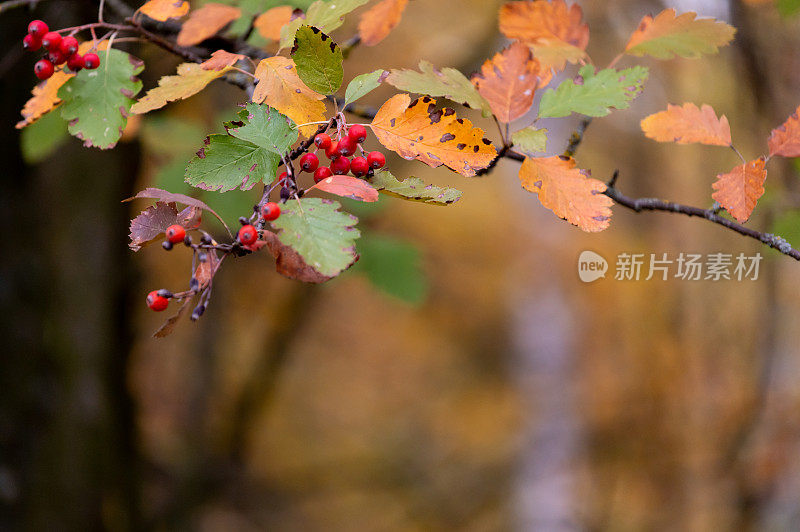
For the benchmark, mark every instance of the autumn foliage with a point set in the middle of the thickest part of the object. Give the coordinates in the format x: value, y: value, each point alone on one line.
x: 295, y: 90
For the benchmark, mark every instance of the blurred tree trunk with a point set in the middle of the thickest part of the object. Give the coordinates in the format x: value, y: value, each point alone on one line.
x: 68, y: 458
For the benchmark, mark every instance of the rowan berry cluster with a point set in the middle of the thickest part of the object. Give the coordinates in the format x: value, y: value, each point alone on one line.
x: 59, y: 51
x: 350, y: 141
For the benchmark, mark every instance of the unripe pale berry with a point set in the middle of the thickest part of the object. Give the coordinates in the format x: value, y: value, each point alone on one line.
x: 376, y: 160
x: 37, y: 28
x: 157, y: 302
x: 31, y: 43
x: 175, y: 233
x: 330, y: 151
x: 52, y: 41
x: 69, y: 45
x: 270, y: 211
x: 340, y: 166
x: 346, y: 146
x: 359, y: 167
x: 91, y: 61
x: 75, y: 62
x: 43, y: 69
x: 322, y: 173
x: 248, y: 235
x: 322, y: 141
x: 357, y: 133
x: 309, y: 162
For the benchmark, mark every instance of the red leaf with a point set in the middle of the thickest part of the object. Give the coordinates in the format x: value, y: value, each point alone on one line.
x: 170, y: 197
x: 349, y: 187
x: 785, y: 139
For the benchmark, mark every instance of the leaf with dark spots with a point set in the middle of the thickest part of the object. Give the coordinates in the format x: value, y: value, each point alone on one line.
x: 445, y: 137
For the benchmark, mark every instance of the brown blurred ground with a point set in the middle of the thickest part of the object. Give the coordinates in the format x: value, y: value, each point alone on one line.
x: 515, y: 397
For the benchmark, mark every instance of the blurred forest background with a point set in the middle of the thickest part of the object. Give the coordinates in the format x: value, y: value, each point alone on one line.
x: 461, y: 377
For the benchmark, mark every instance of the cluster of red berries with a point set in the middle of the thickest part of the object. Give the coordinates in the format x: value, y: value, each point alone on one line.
x: 338, y: 152
x: 59, y: 51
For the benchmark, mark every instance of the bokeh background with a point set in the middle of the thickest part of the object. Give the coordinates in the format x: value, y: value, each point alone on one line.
x: 461, y: 377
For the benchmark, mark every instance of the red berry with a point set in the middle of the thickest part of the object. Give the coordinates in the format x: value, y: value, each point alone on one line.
x: 75, y: 62
x: 270, y: 211
x: 91, y: 61
x: 283, y: 177
x: 175, y: 233
x: 357, y: 133
x: 57, y: 57
x: 248, y: 235
x: 43, y: 69
x: 31, y: 43
x: 346, y: 146
x: 359, y: 167
x: 309, y: 162
x: 51, y: 41
x: 37, y: 28
x: 330, y: 151
x: 322, y: 173
x: 69, y: 45
x: 340, y: 166
x: 376, y: 160
x: 322, y: 141
x: 157, y: 302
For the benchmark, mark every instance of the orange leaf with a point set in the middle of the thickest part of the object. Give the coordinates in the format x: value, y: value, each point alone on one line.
x: 280, y: 87
x: 785, y: 139
x: 349, y: 187
x: 221, y: 59
x: 417, y: 130
x: 550, y: 26
x: 270, y: 22
x: 508, y: 81
x: 668, y: 35
x: 45, y: 94
x: 206, y: 22
x: 688, y: 124
x: 380, y: 20
x: 567, y: 191
x: 163, y: 10
x: 739, y: 190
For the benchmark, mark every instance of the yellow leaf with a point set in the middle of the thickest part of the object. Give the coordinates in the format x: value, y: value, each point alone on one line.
x: 221, y: 59
x: 739, y: 190
x: 163, y: 10
x: 270, y: 22
x: 418, y: 130
x: 280, y: 87
x: 668, y: 35
x: 508, y: 81
x: 191, y: 79
x: 688, y: 124
x: 555, y: 31
x: 206, y: 22
x: 45, y: 94
x: 567, y: 191
x: 380, y: 20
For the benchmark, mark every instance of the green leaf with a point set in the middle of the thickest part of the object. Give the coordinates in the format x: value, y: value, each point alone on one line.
x: 40, y: 139
x: 318, y: 60
x: 414, y: 189
x: 393, y: 266
x: 249, y: 153
x: 97, y: 102
x: 787, y: 8
x: 265, y: 127
x: 447, y: 82
x: 597, y: 94
x: 227, y: 163
x: 363, y: 85
x: 669, y: 35
x: 530, y: 140
x: 324, y: 236
x: 325, y: 15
